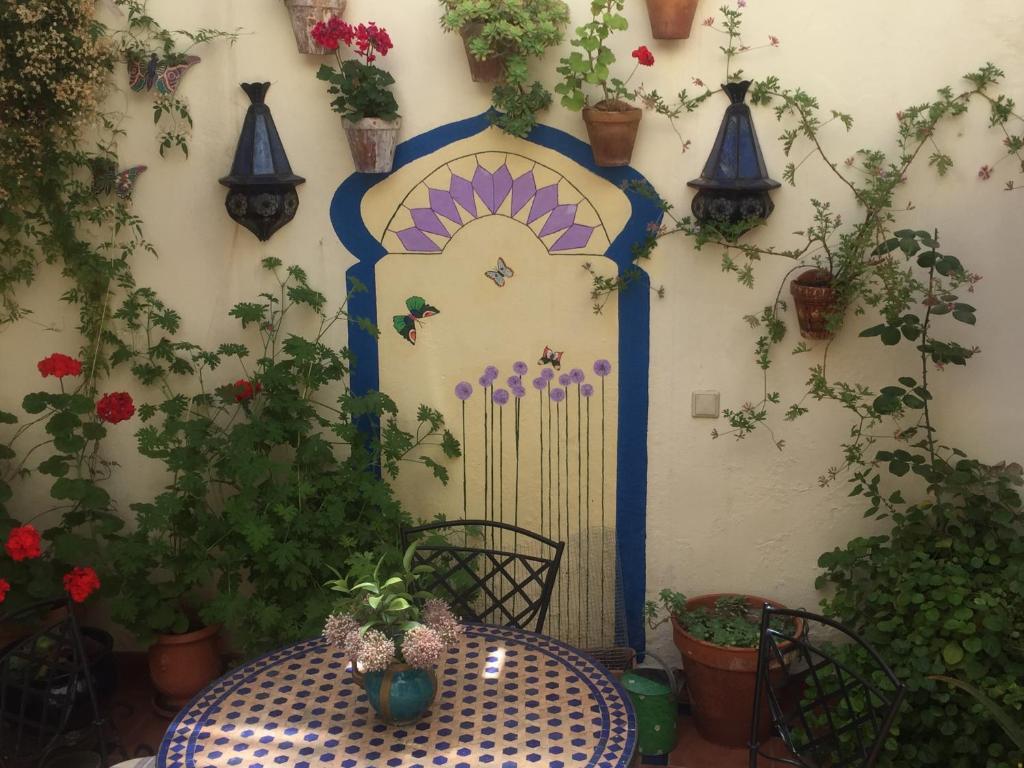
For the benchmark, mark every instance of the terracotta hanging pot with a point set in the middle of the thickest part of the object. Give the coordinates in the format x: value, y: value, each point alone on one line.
x: 720, y: 680
x: 305, y: 14
x: 373, y: 142
x: 671, y: 19
x: 612, y: 128
x: 815, y: 299
x: 489, y: 70
x: 182, y: 665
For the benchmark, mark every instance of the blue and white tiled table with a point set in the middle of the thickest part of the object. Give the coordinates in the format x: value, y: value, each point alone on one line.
x: 506, y: 699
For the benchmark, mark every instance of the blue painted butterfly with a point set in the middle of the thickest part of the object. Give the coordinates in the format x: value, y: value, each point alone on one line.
x: 106, y: 178
x: 552, y: 358
x: 146, y: 74
x: 418, y: 310
x: 499, y: 273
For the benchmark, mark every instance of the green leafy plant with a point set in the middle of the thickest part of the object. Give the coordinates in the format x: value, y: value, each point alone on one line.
x: 732, y: 622
x: 516, y: 32
x: 360, y: 89
x: 1013, y: 728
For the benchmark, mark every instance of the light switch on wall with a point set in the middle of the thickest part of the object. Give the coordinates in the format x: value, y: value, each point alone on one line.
x: 705, y: 404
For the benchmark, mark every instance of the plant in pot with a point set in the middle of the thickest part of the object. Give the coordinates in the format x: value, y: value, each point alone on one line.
x: 612, y: 122
x: 306, y: 14
x: 500, y: 37
x: 369, y: 112
x: 717, y: 637
x: 394, y: 635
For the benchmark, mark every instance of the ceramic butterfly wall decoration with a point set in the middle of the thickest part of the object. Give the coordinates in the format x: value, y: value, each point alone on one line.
x: 499, y: 273
x: 418, y: 310
x: 106, y: 178
x: 552, y: 358
x: 147, y: 74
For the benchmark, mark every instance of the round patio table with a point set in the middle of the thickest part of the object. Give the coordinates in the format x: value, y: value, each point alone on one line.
x: 506, y: 698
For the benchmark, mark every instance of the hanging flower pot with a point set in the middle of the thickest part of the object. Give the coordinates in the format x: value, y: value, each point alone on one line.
x: 671, y: 19
x: 815, y: 298
x: 372, y: 141
x: 305, y: 14
x: 612, y: 127
x: 400, y: 694
x: 489, y: 70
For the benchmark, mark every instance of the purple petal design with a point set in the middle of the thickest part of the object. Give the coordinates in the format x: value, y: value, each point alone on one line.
x: 483, y: 183
x: 462, y: 193
x: 577, y: 376
x: 427, y: 221
x: 443, y: 202
x: 545, y: 200
x: 513, y: 381
x: 564, y: 380
x: 540, y: 382
x: 586, y: 390
x: 502, y: 186
x: 463, y: 390
x: 576, y: 236
x: 547, y: 374
x: 520, y: 367
x: 414, y: 240
x: 558, y: 394
x: 491, y: 372
x: 602, y: 367
x: 523, y: 189
x: 500, y: 396
x: 519, y: 392
x: 484, y: 381
x: 560, y: 218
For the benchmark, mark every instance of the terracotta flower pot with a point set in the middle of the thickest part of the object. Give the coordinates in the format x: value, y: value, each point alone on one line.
x: 182, y: 665
x: 305, y: 14
x: 612, y: 128
x: 488, y: 70
x: 816, y: 301
x: 373, y: 142
x: 720, y: 681
x: 671, y: 19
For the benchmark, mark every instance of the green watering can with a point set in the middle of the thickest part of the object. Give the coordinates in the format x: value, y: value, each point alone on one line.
x: 654, y: 696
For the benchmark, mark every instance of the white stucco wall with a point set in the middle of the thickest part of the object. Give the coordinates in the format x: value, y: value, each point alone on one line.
x: 722, y: 515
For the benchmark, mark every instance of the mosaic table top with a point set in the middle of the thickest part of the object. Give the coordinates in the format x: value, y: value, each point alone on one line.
x: 506, y: 698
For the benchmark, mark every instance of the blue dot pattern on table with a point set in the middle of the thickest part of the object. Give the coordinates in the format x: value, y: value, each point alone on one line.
x: 506, y: 699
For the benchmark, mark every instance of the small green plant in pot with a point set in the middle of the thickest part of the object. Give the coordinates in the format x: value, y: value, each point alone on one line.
x: 717, y: 637
x: 500, y: 38
x: 393, y: 633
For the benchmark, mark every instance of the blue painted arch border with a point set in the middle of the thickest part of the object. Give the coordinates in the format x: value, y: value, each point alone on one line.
x: 634, y: 330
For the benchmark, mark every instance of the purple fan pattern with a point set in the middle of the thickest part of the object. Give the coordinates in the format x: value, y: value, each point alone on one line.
x: 443, y: 218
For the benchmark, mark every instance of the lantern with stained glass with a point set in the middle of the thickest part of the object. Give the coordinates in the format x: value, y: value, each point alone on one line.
x: 261, y: 185
x: 734, y: 185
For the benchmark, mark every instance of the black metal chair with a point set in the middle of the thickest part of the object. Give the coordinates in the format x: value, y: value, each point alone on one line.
x: 47, y: 698
x: 843, y: 715
x: 490, y: 572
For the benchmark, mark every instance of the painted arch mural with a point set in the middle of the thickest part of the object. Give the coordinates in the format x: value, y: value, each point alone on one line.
x: 473, y: 253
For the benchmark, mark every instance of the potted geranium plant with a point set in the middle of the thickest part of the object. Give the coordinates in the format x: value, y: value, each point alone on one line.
x: 499, y: 38
x: 393, y: 634
x: 613, y: 121
x: 368, y: 109
x: 717, y: 636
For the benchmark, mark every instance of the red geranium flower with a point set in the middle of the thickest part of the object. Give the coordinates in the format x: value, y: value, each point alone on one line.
x: 80, y: 583
x: 5, y: 587
x: 643, y: 56
x: 59, y: 365
x: 23, y: 543
x: 243, y: 389
x: 329, y: 33
x: 115, y: 407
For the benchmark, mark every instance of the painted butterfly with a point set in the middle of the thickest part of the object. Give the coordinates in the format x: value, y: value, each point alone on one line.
x: 499, y: 273
x: 146, y: 74
x: 106, y: 178
x: 418, y: 310
x: 552, y: 358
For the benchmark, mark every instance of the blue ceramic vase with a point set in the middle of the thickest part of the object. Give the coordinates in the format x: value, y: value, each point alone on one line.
x: 400, y: 694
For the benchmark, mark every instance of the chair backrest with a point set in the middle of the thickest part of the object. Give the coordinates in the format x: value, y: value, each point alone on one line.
x: 849, y: 695
x: 490, y: 572
x: 44, y: 677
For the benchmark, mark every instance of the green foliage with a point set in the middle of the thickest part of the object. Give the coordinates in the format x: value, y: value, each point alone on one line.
x: 517, y: 32
x: 589, y: 65
x: 273, y: 479
x: 731, y: 623
x: 360, y: 90
x: 1006, y: 721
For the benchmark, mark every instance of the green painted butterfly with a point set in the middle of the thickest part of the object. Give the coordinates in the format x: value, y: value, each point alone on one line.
x: 418, y: 310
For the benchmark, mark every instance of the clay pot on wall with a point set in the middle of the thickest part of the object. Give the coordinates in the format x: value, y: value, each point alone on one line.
x: 489, y: 70
x: 182, y: 665
x: 815, y: 299
x: 612, y: 127
x: 305, y: 14
x: 720, y: 680
x: 671, y: 19
x: 373, y: 142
